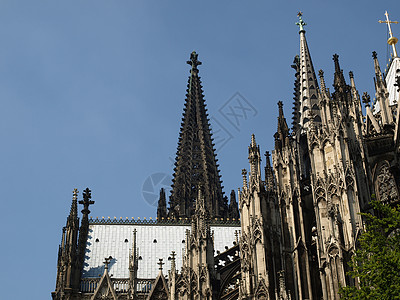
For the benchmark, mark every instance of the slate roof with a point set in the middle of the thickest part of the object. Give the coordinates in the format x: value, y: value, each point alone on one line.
x: 153, y: 241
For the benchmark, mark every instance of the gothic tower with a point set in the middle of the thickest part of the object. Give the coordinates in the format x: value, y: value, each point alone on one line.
x: 260, y: 243
x: 198, y: 271
x: 71, y: 252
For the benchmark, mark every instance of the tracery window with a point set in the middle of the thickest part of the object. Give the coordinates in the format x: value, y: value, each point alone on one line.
x: 385, y: 185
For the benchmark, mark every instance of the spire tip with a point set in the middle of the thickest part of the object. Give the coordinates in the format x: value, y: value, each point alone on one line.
x: 194, y: 62
x: 301, y: 23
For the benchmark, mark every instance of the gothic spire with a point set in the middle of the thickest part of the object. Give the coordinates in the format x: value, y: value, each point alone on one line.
x: 338, y: 80
x: 342, y: 94
x: 282, y: 134
x: 196, y: 161
x: 68, y: 271
x: 73, y: 214
x: 269, y: 174
x: 162, y: 205
x: 84, y: 229
x: 308, y: 86
x: 233, y: 206
x: 254, y: 159
x: 382, y: 94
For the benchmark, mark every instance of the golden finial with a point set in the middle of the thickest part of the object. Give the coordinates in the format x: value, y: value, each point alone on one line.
x: 392, y: 40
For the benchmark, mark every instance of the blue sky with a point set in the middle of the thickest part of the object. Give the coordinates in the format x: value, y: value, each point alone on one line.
x: 92, y: 93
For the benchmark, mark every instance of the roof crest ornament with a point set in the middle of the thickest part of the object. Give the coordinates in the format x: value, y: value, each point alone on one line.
x: 301, y: 23
x: 392, y: 40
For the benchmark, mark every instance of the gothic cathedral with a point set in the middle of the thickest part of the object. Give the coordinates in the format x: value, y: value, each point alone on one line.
x: 292, y: 228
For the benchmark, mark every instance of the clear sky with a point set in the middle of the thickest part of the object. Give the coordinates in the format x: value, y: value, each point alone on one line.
x: 92, y: 93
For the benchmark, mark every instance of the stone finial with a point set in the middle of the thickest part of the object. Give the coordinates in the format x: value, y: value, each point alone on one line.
x: 172, y: 259
x: 75, y: 194
x: 160, y: 263
x: 322, y: 79
x: 280, y: 106
x: 253, y: 140
x: 74, y: 206
x: 336, y: 61
x: 244, y: 174
x: 87, y: 195
x: 194, y: 62
x: 366, y: 98
x: 237, y: 236
x: 300, y: 23
x: 107, y: 261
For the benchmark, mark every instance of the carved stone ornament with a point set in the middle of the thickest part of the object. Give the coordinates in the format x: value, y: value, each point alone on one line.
x: 385, y: 185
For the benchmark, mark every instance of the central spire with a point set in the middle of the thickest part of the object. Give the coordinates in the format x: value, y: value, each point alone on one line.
x: 196, y: 163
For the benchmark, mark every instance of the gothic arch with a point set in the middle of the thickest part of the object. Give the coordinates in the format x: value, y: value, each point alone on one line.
x: 320, y: 194
x: 230, y: 285
x: 332, y: 190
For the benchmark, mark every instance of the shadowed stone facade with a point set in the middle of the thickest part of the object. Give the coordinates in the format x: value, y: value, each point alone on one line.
x: 299, y: 216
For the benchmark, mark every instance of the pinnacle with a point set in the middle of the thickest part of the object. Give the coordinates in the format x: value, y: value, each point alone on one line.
x: 74, y: 206
x: 280, y: 106
x: 338, y: 77
x: 253, y: 140
x: 336, y: 61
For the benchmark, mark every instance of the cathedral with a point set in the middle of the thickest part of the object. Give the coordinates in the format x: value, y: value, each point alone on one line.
x: 290, y: 229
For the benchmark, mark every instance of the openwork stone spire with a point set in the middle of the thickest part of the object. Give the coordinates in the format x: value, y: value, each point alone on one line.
x: 196, y: 163
x: 308, y: 102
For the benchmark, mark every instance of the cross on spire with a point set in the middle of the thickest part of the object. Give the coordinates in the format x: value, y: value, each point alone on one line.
x: 392, y: 40
x: 301, y: 23
x: 194, y: 62
x: 87, y: 195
